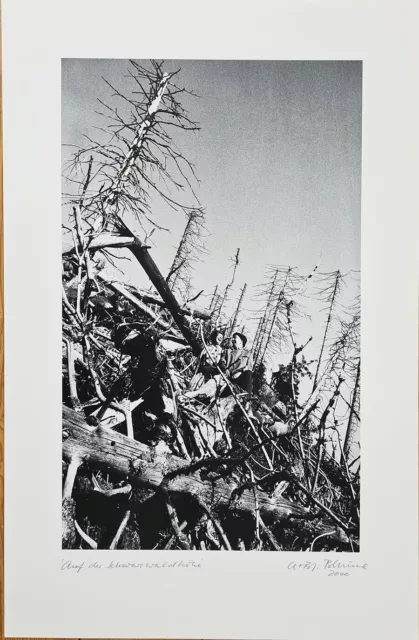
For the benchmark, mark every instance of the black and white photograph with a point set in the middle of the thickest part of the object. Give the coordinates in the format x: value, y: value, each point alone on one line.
x: 211, y: 308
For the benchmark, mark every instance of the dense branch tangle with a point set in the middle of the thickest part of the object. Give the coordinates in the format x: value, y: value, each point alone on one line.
x: 101, y: 449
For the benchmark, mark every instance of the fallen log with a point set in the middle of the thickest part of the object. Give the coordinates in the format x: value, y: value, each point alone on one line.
x: 144, y: 466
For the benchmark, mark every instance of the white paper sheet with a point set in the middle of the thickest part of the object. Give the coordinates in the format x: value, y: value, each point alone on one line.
x: 211, y: 595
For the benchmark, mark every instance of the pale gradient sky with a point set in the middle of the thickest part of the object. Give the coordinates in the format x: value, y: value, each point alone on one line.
x: 278, y: 156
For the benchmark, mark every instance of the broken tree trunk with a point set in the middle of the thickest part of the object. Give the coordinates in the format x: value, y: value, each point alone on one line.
x: 144, y: 466
x: 140, y: 252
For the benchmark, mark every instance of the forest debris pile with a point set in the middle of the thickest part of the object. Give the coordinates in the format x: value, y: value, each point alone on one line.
x: 125, y: 381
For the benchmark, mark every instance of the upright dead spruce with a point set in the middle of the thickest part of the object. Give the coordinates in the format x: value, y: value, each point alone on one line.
x: 190, y: 247
x: 266, y: 342
x: 213, y: 299
x: 330, y: 293
x: 237, y: 311
x: 262, y: 326
x: 223, y: 299
x: 271, y: 327
x: 345, y: 359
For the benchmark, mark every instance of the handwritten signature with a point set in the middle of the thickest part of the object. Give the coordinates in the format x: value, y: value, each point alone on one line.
x: 333, y: 568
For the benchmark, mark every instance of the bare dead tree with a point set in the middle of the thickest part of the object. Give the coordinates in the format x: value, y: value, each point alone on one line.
x: 134, y: 158
x: 119, y: 176
x: 284, y: 284
x: 329, y: 294
x: 189, y: 250
x: 262, y: 321
x: 236, y: 312
x: 273, y: 316
x: 224, y: 297
x: 213, y: 298
x: 344, y: 358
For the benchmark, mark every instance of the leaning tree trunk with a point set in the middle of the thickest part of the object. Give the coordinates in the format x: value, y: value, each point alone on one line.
x: 140, y: 252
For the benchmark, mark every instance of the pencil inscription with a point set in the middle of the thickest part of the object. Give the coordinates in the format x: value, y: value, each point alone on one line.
x: 332, y: 568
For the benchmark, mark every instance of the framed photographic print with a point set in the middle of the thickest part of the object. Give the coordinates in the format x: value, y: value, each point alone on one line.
x: 210, y: 221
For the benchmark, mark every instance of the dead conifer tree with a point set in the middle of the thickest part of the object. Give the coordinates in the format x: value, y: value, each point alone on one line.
x: 189, y: 250
x: 236, y: 312
x: 224, y: 297
x: 213, y: 298
x: 263, y: 320
x: 116, y: 178
x: 283, y: 285
x: 345, y: 359
x: 329, y: 294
